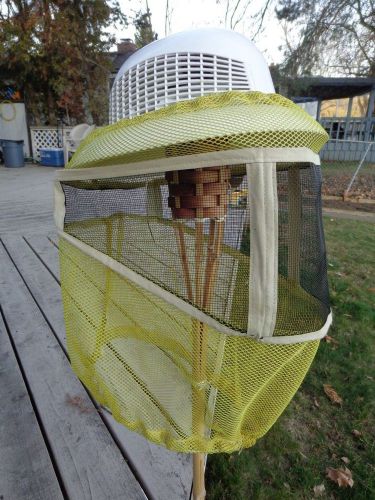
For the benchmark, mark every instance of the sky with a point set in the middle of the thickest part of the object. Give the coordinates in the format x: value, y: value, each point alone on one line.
x: 190, y: 14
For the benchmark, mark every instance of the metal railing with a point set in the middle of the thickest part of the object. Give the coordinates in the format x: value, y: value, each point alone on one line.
x: 352, y: 129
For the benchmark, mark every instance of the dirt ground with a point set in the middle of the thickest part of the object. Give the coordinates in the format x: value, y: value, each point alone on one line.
x: 336, y: 179
x: 363, y: 186
x: 353, y: 205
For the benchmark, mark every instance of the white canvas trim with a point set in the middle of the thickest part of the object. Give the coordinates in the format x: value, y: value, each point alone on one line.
x: 144, y: 283
x: 59, y: 205
x: 212, y: 393
x: 179, y: 303
x: 216, y: 158
x: 304, y: 337
x: 263, y: 272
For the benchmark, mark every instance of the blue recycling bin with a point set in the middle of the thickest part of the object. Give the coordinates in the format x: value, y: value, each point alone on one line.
x: 13, y: 153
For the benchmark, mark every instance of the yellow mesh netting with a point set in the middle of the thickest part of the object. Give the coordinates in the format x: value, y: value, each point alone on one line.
x: 136, y: 353
x: 223, y: 121
x: 148, y: 246
x: 180, y: 382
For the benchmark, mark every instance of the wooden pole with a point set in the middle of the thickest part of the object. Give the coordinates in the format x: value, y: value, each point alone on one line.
x: 200, y: 195
x: 179, y: 230
x: 199, y: 490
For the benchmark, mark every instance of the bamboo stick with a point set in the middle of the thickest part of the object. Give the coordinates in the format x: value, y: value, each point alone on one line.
x: 198, y: 416
x: 199, y: 492
x: 180, y: 236
x: 214, y: 245
x: 203, y: 297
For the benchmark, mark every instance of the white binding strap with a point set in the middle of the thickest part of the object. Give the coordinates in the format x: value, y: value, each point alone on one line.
x: 216, y: 158
x: 263, y: 281
x: 304, y: 337
x: 179, y: 303
x: 59, y: 205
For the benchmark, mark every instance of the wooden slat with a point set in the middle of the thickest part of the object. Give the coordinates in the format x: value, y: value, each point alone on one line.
x: 44, y: 247
x: 54, y: 238
x: 89, y: 461
x: 26, y: 470
x: 26, y: 200
x: 165, y: 474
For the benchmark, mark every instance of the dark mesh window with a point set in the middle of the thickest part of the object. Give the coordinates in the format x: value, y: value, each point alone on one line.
x: 302, y: 254
x: 129, y: 219
x: 205, y: 260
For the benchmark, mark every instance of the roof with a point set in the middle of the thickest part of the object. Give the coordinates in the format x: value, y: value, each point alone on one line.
x: 332, y: 88
x: 118, y: 59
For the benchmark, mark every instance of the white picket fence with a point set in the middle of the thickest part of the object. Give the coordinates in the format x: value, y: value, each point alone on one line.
x: 47, y: 137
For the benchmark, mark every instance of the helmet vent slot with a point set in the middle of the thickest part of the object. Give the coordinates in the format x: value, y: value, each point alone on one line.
x: 164, y: 79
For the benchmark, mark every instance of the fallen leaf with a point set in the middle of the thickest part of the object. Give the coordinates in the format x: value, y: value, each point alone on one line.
x: 342, y: 477
x: 332, y: 394
x: 319, y: 490
x: 356, y: 433
x: 345, y: 460
x: 316, y: 403
x: 331, y: 340
x: 79, y: 403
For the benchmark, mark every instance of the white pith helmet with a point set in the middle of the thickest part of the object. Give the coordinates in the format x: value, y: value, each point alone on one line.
x: 184, y: 66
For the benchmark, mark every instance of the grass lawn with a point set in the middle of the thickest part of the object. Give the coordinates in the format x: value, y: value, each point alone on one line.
x: 314, y: 433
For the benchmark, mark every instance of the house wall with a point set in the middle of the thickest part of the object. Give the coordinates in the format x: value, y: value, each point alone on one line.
x: 16, y: 128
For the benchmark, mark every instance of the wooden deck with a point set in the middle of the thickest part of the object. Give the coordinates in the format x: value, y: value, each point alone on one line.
x: 54, y: 440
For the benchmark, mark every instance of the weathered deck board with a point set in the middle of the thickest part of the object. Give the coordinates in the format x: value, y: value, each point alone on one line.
x: 88, y: 459
x: 26, y: 200
x: 26, y: 470
x: 43, y: 247
x: 26, y: 210
x: 164, y: 474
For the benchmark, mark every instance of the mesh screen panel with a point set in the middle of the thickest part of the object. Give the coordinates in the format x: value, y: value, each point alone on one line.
x: 129, y: 219
x: 137, y: 355
x: 301, y: 253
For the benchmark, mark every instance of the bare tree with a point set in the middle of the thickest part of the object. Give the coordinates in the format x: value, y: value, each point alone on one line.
x: 168, y: 18
x: 238, y: 11
x: 328, y: 36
